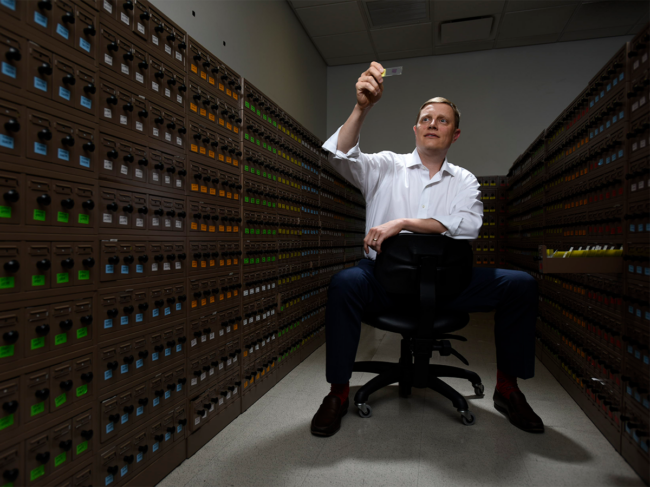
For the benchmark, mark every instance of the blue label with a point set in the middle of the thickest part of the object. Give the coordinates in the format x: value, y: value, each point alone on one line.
x: 10, y: 4
x: 40, y: 19
x: 168, y: 352
x: 614, y: 119
x: 139, y: 317
x: 139, y: 269
x: 154, y: 356
x: 84, y: 161
x: 63, y: 155
x: 621, y: 115
x: 84, y: 44
x: 155, y: 312
x: 124, y: 369
x: 109, y: 427
x: 620, y: 153
x: 124, y: 470
x: 125, y: 269
x: 139, y: 411
x: 640, y: 227
x: 124, y: 320
x: 632, y: 228
x: 178, y: 306
x: 609, y: 86
x: 139, y: 457
x: 179, y: 428
x: 607, y: 124
x: 6, y: 141
x: 621, y: 76
x: 156, y: 401
x: 179, y: 387
x: 109, y: 269
x: 63, y: 93
x: 40, y: 148
x: 8, y: 70
x: 630, y: 268
x: 168, y: 311
x: 62, y: 31
x: 108, y: 374
x: 108, y: 323
x: 179, y: 347
x: 615, y: 81
x: 86, y: 102
x: 125, y: 418
x: 155, y: 446
x: 108, y: 479
x: 168, y: 394
x: 40, y: 84
x: 168, y: 436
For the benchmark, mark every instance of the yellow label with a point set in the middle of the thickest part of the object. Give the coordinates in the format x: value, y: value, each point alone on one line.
x: 236, y: 294
x: 221, y: 87
x: 204, y: 264
x: 204, y: 75
x: 211, y: 80
x: 212, y: 228
x: 193, y: 107
x: 194, y: 304
x: 235, y: 96
x: 235, y: 262
x: 221, y: 229
x: 235, y: 326
x: 236, y: 130
x: 195, y: 187
x: 228, y: 229
x: 204, y: 189
x: 213, y: 191
x: 212, y: 299
x: 228, y: 92
x: 229, y: 126
x: 204, y: 227
x: 221, y: 122
x: 194, y: 148
x: 228, y: 262
x: 211, y: 154
x: 229, y: 295
x: 221, y: 158
x: 229, y: 160
x: 235, y: 163
x: 229, y: 195
x: 203, y: 151
x: 222, y: 193
x: 203, y: 302
x: 221, y: 297
x: 193, y: 226
x: 236, y: 195
x: 194, y: 263
x: 222, y: 263
x: 211, y: 117
x: 203, y: 112
x: 211, y: 262
x: 194, y: 69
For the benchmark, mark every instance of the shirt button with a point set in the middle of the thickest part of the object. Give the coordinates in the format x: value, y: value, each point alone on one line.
x: 422, y: 206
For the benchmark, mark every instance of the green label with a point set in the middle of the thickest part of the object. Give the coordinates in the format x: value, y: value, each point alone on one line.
x: 37, y: 343
x: 246, y: 231
x: 84, y: 219
x: 63, y: 217
x: 257, y: 260
x: 60, y: 400
x: 6, y: 351
x: 248, y: 105
x: 245, y: 199
x: 6, y: 422
x: 81, y: 390
x: 59, y: 459
x: 39, y: 215
x: 60, y: 339
x: 36, y: 473
x: 38, y: 280
x: 5, y: 211
x: 62, y: 278
x: 82, y: 447
x: 7, y: 282
x: 259, y: 113
x: 252, y: 108
x: 82, y: 332
x: 83, y: 275
x: 246, y: 136
x: 37, y: 409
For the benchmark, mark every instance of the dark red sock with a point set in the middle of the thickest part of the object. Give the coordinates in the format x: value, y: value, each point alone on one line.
x: 506, y: 384
x: 342, y: 391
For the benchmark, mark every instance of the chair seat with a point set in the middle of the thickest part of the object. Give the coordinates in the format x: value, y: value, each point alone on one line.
x: 405, y: 321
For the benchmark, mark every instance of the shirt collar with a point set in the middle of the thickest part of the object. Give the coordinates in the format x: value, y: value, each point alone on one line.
x: 414, y: 160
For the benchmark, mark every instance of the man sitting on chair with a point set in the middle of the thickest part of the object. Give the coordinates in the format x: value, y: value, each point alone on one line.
x: 421, y: 192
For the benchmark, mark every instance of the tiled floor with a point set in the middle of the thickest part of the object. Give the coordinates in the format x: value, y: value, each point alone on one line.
x: 417, y: 441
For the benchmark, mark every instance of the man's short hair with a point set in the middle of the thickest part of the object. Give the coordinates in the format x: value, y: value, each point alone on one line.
x: 439, y: 99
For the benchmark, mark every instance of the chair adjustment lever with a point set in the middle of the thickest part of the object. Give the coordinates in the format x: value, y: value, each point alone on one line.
x: 445, y: 349
x: 451, y: 337
x: 460, y: 357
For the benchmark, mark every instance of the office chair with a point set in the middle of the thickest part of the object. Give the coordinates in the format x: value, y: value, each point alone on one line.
x: 430, y: 270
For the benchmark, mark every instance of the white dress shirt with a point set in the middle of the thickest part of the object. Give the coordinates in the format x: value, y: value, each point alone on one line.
x: 398, y: 186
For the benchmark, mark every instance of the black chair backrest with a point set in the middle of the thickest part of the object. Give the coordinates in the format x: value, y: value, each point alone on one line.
x: 397, y: 266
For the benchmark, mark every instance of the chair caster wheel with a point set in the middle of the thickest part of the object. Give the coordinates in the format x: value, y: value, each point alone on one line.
x: 365, y: 411
x: 479, y: 389
x: 467, y: 418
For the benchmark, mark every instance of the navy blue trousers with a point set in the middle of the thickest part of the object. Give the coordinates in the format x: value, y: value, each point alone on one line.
x: 513, y: 294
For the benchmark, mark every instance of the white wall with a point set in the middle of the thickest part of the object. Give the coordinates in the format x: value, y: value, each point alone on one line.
x: 506, y: 98
x: 265, y: 44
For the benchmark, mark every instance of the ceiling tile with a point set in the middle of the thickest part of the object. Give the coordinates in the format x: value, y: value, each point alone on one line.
x: 405, y: 54
x: 452, y: 10
x: 464, y: 47
x: 526, y: 41
x: 529, y: 23
x: 338, y: 18
x: 341, y: 45
x: 466, y: 30
x: 596, y: 15
x: 403, y: 38
x: 360, y: 58
x: 594, y: 33
x: 516, y: 5
x: 314, y: 3
x: 388, y: 13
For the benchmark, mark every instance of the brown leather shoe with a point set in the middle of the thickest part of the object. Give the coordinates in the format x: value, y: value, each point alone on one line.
x: 327, y: 419
x: 518, y: 411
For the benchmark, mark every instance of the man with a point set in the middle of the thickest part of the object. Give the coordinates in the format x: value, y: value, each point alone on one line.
x: 423, y: 193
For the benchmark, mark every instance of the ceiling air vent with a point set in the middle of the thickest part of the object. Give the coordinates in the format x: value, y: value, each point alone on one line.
x: 465, y: 30
x: 385, y: 13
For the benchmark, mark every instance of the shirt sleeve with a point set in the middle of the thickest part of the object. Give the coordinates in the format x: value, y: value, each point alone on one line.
x: 466, y: 213
x: 365, y: 171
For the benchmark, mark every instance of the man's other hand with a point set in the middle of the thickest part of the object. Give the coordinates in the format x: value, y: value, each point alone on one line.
x: 370, y: 86
x: 377, y: 235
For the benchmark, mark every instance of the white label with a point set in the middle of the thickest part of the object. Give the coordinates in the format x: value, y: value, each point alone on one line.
x: 138, y: 173
x: 123, y: 220
x: 179, y: 224
x: 179, y: 99
x: 155, y: 176
x: 139, y: 126
x: 124, y: 169
x: 179, y: 141
x: 168, y: 137
x: 177, y: 265
x: 154, y: 86
x: 140, y: 28
x: 197, y: 420
x: 154, y: 267
x: 168, y: 92
x: 108, y: 7
x: 125, y: 18
x: 139, y: 222
x: 168, y: 223
x: 108, y: 59
x: 179, y: 183
x: 168, y: 179
x: 203, y: 376
x: 108, y: 165
x: 156, y: 132
x: 195, y: 381
x: 108, y: 113
x: 245, y: 292
x: 154, y: 39
x: 155, y: 222
x: 168, y: 49
x: 167, y: 266
x: 212, y: 336
x: 125, y: 69
x: 107, y: 218
x: 139, y: 78
x: 193, y: 342
x: 179, y: 56
x: 123, y: 119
